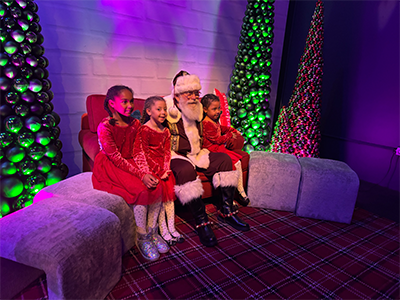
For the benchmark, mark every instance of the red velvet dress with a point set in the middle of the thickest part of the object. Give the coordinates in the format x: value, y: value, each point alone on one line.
x: 152, y: 154
x: 115, y: 170
x: 215, y: 136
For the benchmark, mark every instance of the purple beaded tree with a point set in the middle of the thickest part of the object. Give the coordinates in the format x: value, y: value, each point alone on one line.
x: 297, y: 130
x: 30, y: 149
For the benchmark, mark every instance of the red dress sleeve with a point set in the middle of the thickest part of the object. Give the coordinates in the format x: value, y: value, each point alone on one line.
x: 141, y: 151
x: 167, y: 151
x: 109, y: 147
x: 212, y: 132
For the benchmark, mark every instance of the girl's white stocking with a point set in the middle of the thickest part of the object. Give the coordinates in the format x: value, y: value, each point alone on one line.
x: 162, y: 224
x: 140, y: 214
x: 154, y: 211
x: 170, y: 210
x: 240, y: 187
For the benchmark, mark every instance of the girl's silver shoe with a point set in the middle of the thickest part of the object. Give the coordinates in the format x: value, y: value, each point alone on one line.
x: 158, y: 241
x: 146, y: 247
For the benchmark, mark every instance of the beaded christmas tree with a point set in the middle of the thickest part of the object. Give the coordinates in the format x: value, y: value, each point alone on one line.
x: 250, y: 87
x: 297, y: 130
x: 30, y: 149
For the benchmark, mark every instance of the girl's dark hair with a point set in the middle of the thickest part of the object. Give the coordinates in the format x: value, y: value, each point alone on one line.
x: 207, y: 99
x: 179, y: 74
x: 148, y: 104
x: 111, y: 93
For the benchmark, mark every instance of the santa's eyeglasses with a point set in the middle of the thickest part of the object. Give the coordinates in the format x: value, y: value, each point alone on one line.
x: 191, y: 93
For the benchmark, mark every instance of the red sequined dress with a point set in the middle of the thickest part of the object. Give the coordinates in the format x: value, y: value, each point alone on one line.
x: 115, y: 170
x: 215, y: 136
x: 152, y: 153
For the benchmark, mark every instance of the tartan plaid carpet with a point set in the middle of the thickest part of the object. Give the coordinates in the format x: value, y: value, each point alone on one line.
x: 282, y: 257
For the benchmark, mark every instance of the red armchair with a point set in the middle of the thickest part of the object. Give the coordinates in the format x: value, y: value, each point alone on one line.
x: 90, y: 146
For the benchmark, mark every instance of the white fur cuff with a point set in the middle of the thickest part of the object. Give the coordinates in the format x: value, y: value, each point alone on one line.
x: 189, y: 191
x: 225, y: 179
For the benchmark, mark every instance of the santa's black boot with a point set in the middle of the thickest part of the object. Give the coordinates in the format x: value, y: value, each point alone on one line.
x: 227, y: 214
x: 189, y: 195
x: 203, y: 228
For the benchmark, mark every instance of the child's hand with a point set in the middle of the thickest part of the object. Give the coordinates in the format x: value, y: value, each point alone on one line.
x: 165, y: 175
x: 150, y: 181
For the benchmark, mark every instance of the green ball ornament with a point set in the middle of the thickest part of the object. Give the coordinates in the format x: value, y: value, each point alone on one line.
x: 37, y: 152
x: 245, y: 124
x: 6, y: 139
x: 255, y: 125
x: 15, y: 154
x: 43, y: 138
x: 250, y: 132
x: 51, y: 151
x: 11, y: 187
x: 248, y: 148
x: 13, y: 124
x: 53, y: 176
x: 11, y: 47
x: 25, y: 139
x: 21, y: 110
x: 251, y: 116
x: 254, y: 141
x: 26, y: 167
x: 33, y: 123
x: 21, y: 85
x: 242, y: 113
x: 35, y: 183
x: 8, y: 168
x: 44, y: 165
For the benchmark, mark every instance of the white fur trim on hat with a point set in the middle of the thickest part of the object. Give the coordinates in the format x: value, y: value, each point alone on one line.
x: 187, y: 83
x: 189, y: 191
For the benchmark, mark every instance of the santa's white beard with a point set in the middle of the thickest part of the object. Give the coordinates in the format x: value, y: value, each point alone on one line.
x: 192, y: 110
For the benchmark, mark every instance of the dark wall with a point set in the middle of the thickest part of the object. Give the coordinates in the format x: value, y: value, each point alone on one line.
x: 360, y: 90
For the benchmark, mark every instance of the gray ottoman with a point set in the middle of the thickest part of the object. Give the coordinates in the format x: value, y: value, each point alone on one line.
x: 328, y: 190
x: 78, y: 246
x: 273, y: 180
x: 79, y: 188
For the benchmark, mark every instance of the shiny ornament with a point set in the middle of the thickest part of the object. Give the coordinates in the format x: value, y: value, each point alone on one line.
x: 18, y: 35
x: 33, y: 123
x: 28, y: 97
x: 21, y: 85
x: 36, y: 152
x: 10, y: 71
x: 51, y: 151
x: 15, y: 154
x: 26, y: 139
x: 36, y: 109
x: 48, y: 121
x: 43, y: 138
x: 3, y: 59
x: 53, y: 176
x: 26, y: 167
x: 12, y: 97
x: 44, y: 165
x: 5, y: 84
x: 11, y: 187
x: 35, y: 85
x: 6, y: 139
x: 35, y: 183
x: 11, y: 47
x: 8, y: 168
x: 13, y: 123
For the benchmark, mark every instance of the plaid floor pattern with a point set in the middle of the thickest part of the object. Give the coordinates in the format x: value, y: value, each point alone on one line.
x: 282, y: 257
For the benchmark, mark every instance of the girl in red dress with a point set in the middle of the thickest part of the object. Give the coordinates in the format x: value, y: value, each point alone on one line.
x: 116, y: 172
x: 216, y: 136
x: 152, y: 152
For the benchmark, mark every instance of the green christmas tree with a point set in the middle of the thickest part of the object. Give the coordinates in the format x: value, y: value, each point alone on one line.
x: 30, y: 149
x: 250, y: 87
x: 297, y: 130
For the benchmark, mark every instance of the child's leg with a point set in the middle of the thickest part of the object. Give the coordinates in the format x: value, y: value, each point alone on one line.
x: 170, y: 210
x: 162, y: 224
x: 140, y: 214
x: 240, y: 187
x: 143, y: 240
x: 154, y: 211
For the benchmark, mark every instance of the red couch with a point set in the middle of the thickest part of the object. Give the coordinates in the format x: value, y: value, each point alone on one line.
x: 90, y: 146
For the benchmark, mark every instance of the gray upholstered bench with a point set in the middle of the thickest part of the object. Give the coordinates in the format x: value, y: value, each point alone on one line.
x: 80, y: 227
x: 273, y: 180
x: 328, y: 190
x: 317, y: 188
x: 79, y: 188
x: 77, y: 245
